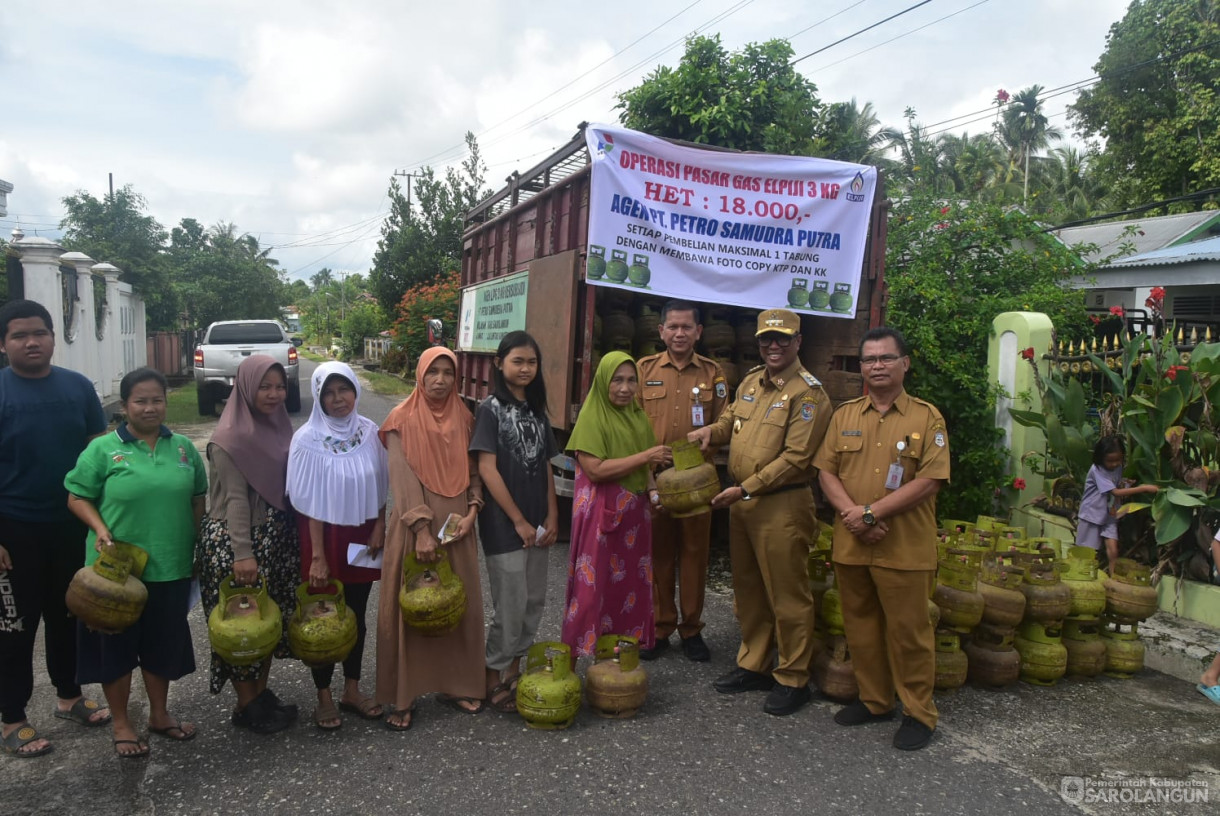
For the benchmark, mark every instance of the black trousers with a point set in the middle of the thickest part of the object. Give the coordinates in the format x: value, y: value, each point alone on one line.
x: 45, y: 556
x: 356, y: 596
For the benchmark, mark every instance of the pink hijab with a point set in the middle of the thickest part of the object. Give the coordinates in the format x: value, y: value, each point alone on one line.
x: 435, y: 437
x: 257, y: 443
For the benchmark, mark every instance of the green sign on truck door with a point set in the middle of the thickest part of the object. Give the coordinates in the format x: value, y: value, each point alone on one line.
x: 491, y: 310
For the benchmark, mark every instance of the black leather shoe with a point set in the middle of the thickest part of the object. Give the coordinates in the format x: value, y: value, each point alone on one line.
x: 857, y: 713
x: 739, y: 680
x: 912, y: 735
x: 652, y: 654
x: 288, y: 708
x: 695, y: 649
x: 784, y: 700
x: 262, y: 717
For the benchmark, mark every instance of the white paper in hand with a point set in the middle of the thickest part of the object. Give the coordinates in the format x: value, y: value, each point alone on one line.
x: 539, y: 533
x: 358, y: 555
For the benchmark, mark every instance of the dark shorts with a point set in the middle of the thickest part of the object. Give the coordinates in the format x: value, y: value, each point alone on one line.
x: 159, y: 642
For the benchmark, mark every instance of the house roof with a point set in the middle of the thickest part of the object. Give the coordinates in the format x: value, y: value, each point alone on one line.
x: 1145, y: 234
x: 1206, y: 250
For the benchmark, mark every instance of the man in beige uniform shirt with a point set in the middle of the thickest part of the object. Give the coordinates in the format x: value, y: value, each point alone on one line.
x: 773, y: 428
x: 680, y: 391
x: 881, y: 465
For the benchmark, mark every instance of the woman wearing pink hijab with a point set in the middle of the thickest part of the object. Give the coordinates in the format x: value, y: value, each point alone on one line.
x: 431, y: 475
x: 249, y: 529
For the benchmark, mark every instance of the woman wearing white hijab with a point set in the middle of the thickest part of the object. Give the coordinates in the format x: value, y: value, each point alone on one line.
x: 338, y: 479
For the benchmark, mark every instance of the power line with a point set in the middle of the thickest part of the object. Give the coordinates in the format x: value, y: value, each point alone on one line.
x: 861, y: 31
x: 900, y: 36
x: 1141, y: 208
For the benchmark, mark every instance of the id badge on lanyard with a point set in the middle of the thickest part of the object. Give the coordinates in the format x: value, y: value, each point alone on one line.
x: 893, y: 478
x: 696, y: 410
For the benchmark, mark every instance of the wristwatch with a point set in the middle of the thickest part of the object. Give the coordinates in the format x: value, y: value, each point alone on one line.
x: 745, y: 496
x: 867, y: 516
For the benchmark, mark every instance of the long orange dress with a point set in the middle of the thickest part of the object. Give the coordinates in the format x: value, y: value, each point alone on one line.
x: 408, y: 663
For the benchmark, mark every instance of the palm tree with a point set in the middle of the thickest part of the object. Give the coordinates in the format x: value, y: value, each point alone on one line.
x: 1024, y: 128
x: 1070, y: 182
x: 854, y: 134
x: 974, y: 162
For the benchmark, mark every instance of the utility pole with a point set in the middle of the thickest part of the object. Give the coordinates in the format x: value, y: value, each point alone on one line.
x: 408, y: 177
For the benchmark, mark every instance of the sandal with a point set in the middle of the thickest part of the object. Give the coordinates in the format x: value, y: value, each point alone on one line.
x: 503, y: 698
x: 21, y: 737
x: 140, y: 752
x: 324, y: 713
x: 365, y: 707
x: 81, y: 711
x: 1210, y: 692
x: 176, y: 732
x: 400, y: 726
x: 456, y: 703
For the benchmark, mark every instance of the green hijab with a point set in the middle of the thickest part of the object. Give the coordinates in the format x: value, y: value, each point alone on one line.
x: 608, y: 432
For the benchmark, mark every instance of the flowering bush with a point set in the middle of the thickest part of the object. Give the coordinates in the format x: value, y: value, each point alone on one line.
x: 421, y: 303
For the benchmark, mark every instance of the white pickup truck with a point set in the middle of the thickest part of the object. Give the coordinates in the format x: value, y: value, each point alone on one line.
x: 226, y: 343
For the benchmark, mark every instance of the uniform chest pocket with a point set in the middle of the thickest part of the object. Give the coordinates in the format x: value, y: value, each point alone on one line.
x: 776, y: 414
x: 849, y: 444
x: 911, y: 454
x: 655, y: 392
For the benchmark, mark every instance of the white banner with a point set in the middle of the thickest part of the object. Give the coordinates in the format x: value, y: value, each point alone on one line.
x: 744, y: 229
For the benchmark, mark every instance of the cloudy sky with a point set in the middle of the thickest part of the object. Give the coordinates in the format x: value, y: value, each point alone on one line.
x: 287, y: 117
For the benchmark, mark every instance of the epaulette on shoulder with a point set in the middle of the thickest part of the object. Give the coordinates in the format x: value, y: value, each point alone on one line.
x: 809, y: 379
x: 755, y: 369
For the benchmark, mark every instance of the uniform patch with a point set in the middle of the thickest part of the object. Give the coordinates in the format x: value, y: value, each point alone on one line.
x: 853, y: 433
x: 809, y: 379
x: 722, y: 390
x: 807, y: 411
x: 747, y: 397
x: 939, y: 439
x: 655, y: 382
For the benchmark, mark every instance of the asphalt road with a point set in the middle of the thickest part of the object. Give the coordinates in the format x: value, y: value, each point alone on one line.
x: 689, y: 751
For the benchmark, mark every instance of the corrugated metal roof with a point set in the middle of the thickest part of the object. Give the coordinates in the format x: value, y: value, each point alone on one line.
x: 1146, y: 234
x: 1206, y: 250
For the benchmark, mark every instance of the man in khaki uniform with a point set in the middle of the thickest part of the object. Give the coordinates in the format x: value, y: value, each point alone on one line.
x: 680, y: 391
x: 773, y: 428
x: 881, y: 465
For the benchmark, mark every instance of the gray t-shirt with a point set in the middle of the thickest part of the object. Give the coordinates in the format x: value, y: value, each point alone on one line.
x: 523, y: 444
x: 1096, y: 503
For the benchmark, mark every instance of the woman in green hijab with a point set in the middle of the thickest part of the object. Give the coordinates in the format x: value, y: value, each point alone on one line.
x: 610, y: 564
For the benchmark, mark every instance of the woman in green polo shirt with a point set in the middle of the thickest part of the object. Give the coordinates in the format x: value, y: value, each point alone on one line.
x: 145, y: 485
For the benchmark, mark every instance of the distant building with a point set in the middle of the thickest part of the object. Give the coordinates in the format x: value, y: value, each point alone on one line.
x: 5, y: 189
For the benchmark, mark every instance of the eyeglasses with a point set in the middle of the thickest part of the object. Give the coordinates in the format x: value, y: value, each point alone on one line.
x: 882, y: 360
x: 781, y: 340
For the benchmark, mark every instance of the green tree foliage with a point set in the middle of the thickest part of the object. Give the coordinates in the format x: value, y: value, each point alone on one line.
x: 364, y: 319
x: 1023, y: 129
x: 1156, y: 105
x: 421, y: 239
x: 220, y: 274
x: 851, y: 133
x: 115, y: 229
x: 749, y: 100
x: 951, y: 269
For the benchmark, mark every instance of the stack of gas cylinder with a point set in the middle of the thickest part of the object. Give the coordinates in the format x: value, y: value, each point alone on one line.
x: 1047, y: 610
x: 832, y: 668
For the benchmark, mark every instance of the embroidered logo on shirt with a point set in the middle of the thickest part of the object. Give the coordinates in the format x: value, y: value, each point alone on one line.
x: 939, y: 439
x: 807, y: 411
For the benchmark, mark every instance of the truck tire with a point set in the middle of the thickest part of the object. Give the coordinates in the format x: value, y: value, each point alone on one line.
x: 207, y: 402
x: 293, y: 403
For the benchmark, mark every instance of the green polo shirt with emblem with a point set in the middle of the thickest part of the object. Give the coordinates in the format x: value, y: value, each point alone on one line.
x: 144, y: 496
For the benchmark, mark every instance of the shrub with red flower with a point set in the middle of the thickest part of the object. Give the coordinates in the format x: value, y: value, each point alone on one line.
x: 1028, y: 353
x: 1172, y: 373
x: 1018, y: 483
x: 1116, y: 310
x: 1001, y: 97
x: 1156, y: 301
x: 1095, y: 319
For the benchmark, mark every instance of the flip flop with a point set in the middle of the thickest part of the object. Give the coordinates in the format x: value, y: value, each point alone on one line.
x: 175, y: 732
x: 1210, y: 692
x: 21, y: 737
x: 456, y: 704
x: 140, y: 754
x: 325, y: 712
x: 503, y: 698
x: 392, y: 726
x: 363, y: 708
x: 80, y: 712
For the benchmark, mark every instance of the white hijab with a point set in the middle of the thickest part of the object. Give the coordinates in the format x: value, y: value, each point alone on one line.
x: 338, y: 472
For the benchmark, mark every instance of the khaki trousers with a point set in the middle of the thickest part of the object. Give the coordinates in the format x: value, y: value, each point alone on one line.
x: 769, y: 544
x: 892, y: 643
x: 679, y: 555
